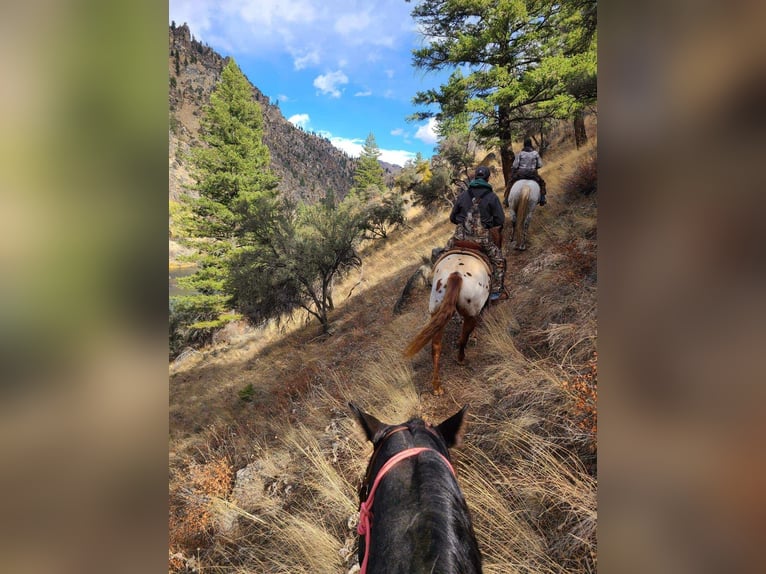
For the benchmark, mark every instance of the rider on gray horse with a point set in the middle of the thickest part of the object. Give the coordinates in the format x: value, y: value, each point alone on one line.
x: 525, y: 166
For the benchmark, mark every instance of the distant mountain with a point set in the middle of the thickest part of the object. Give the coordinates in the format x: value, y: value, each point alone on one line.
x: 308, y: 165
x: 390, y: 171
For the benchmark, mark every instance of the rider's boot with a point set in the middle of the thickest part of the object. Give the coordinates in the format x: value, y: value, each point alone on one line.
x: 497, y: 288
x: 543, y: 192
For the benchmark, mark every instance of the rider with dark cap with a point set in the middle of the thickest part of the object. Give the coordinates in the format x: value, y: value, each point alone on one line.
x: 479, y: 217
x: 525, y: 166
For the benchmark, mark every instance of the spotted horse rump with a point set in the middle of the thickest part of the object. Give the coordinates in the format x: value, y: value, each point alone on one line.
x: 461, y: 282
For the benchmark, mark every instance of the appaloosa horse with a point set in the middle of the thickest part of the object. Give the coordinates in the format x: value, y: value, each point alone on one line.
x: 461, y: 282
x: 413, y: 518
x: 523, y: 197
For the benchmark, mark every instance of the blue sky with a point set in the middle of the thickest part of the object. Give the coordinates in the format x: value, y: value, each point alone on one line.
x: 340, y: 68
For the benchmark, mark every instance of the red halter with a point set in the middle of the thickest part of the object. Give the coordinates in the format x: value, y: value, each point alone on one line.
x: 365, y: 514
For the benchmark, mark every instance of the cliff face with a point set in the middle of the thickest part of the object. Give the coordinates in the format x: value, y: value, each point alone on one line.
x: 307, y: 165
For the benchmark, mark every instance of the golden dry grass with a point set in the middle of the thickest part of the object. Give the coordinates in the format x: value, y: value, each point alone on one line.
x: 527, y: 465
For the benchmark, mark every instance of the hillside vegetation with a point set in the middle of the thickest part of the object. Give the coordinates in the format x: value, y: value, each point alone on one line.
x: 265, y: 458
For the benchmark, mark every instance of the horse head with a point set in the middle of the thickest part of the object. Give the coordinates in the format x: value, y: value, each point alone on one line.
x: 411, y: 491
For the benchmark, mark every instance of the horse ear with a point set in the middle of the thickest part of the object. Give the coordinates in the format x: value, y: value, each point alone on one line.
x: 369, y: 423
x: 452, y: 428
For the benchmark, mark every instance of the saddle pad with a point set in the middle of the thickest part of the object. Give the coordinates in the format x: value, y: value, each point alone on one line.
x: 460, y: 249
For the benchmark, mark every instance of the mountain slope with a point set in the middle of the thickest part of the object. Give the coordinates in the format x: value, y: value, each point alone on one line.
x: 265, y: 457
x: 307, y: 165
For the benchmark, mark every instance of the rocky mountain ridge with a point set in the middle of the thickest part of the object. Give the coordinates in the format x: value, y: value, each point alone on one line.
x: 307, y: 164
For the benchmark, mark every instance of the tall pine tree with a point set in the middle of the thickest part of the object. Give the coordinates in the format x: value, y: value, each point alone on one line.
x: 368, y: 177
x: 516, y: 61
x: 385, y: 209
x: 236, y: 188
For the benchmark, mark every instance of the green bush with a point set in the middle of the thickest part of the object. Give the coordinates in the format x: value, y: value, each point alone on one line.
x: 247, y: 393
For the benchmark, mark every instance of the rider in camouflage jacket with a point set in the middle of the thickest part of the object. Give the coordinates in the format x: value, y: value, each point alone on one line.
x: 478, y: 215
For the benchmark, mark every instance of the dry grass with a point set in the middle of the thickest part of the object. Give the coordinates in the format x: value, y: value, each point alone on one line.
x: 192, y: 503
x: 527, y: 465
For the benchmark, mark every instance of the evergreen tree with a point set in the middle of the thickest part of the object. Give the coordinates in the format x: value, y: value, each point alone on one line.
x: 384, y: 208
x: 522, y: 61
x: 368, y: 177
x: 236, y: 191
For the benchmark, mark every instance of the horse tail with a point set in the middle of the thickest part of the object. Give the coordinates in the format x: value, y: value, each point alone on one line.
x: 439, y: 317
x: 521, y: 214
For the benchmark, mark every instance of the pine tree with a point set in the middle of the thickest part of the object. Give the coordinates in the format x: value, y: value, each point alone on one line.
x: 368, y: 177
x: 520, y: 61
x: 385, y: 209
x: 237, y: 198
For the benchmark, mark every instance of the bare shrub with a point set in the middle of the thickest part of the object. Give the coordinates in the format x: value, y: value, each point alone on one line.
x: 584, y: 177
x: 192, y: 520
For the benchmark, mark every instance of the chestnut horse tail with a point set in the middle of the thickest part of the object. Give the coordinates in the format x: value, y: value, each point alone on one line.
x: 440, y: 317
x: 521, y: 214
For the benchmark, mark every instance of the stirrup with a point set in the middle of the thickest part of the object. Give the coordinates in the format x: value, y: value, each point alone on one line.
x: 499, y: 296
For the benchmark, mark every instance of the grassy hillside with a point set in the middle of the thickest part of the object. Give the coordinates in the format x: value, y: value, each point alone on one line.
x: 265, y: 458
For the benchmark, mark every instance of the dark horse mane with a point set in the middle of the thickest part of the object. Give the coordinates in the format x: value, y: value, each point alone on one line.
x: 420, y: 519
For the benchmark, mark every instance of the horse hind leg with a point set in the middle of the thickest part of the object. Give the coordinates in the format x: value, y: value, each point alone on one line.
x: 469, y: 324
x: 524, y: 230
x: 436, y: 351
x: 512, y: 236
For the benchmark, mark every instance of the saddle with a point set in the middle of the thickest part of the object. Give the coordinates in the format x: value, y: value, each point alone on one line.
x: 466, y: 247
x: 525, y: 174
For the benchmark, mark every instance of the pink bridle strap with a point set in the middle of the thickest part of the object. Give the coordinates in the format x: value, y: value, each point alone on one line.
x: 365, y: 515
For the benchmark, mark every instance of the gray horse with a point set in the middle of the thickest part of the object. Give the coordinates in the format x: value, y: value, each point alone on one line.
x: 522, y: 200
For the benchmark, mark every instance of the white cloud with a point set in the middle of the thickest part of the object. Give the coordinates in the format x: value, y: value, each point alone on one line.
x: 396, y: 157
x: 195, y: 14
x: 302, y: 61
x: 328, y: 83
x: 397, y: 132
x: 363, y: 94
x: 427, y: 132
x: 269, y: 12
x: 297, y: 27
x: 283, y: 98
x: 300, y: 120
x: 390, y: 73
x: 353, y: 147
x: 349, y: 24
